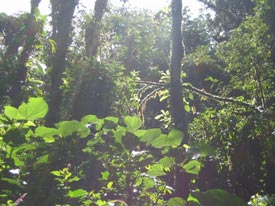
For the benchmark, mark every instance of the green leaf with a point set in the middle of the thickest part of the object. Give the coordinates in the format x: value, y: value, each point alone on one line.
x: 161, y: 141
x: 132, y: 123
x: 88, y: 119
x: 167, y: 161
x: 218, y: 197
x: 139, y: 133
x: 176, y: 201
x: 12, y: 113
x: 110, y: 185
x: 25, y: 148
x: 148, y: 183
x: 156, y: 170
x: 67, y: 128
x: 187, y: 108
x: 56, y: 173
x: 150, y: 135
x: 77, y: 193
x: 74, y: 179
x: 192, y: 167
x: 46, y: 133
x: 173, y: 139
x: 112, y: 119
x: 11, y: 181
x: 105, y: 175
x: 192, y: 199
x: 43, y: 159
x: 36, y: 108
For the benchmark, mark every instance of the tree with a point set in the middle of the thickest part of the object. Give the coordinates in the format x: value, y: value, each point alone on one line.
x: 178, y: 113
x: 62, y: 15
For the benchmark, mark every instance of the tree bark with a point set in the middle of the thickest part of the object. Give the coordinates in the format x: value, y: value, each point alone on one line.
x: 92, y: 32
x: 62, y: 15
x: 176, y: 100
x: 16, y: 93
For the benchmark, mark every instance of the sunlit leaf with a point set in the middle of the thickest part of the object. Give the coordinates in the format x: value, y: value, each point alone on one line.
x: 105, y: 175
x: 36, y: 108
x: 167, y: 161
x: 192, y: 199
x: 88, y: 119
x: 173, y: 139
x: 77, y: 193
x: 110, y: 185
x: 132, y: 123
x: 156, y: 170
x: 150, y: 135
x: 46, y: 133
x: 176, y: 201
x: 112, y: 119
x: 192, y: 167
x: 43, y: 159
x: 67, y: 128
x: 12, y: 113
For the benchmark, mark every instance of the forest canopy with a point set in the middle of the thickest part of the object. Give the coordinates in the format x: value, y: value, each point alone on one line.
x: 123, y: 106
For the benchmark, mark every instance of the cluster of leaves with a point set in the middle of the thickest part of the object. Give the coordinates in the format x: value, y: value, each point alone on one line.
x: 132, y: 171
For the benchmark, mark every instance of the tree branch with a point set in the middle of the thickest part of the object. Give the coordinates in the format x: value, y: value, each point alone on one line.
x: 204, y: 93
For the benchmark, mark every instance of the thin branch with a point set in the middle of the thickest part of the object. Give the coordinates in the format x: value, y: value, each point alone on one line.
x: 204, y: 93
x: 223, y: 99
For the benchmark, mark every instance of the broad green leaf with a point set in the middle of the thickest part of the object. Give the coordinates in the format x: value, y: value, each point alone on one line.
x: 192, y: 167
x: 218, y: 197
x: 150, y: 135
x: 167, y: 161
x: 46, y: 133
x: 12, y: 113
x: 18, y: 162
x: 77, y: 193
x: 24, y: 148
x: 43, y: 159
x: 118, y: 136
x: 99, y: 124
x: 161, y: 141
x: 148, y: 183
x: 36, y: 108
x: 156, y: 170
x: 132, y: 123
x: 140, y: 132
x: 11, y: 181
x: 88, y: 119
x: 112, y: 119
x: 67, y: 128
x: 173, y: 139
x: 176, y: 201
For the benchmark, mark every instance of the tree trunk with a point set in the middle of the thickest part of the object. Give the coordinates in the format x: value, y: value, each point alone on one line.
x: 92, y: 32
x: 62, y: 15
x: 16, y: 93
x: 176, y: 101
